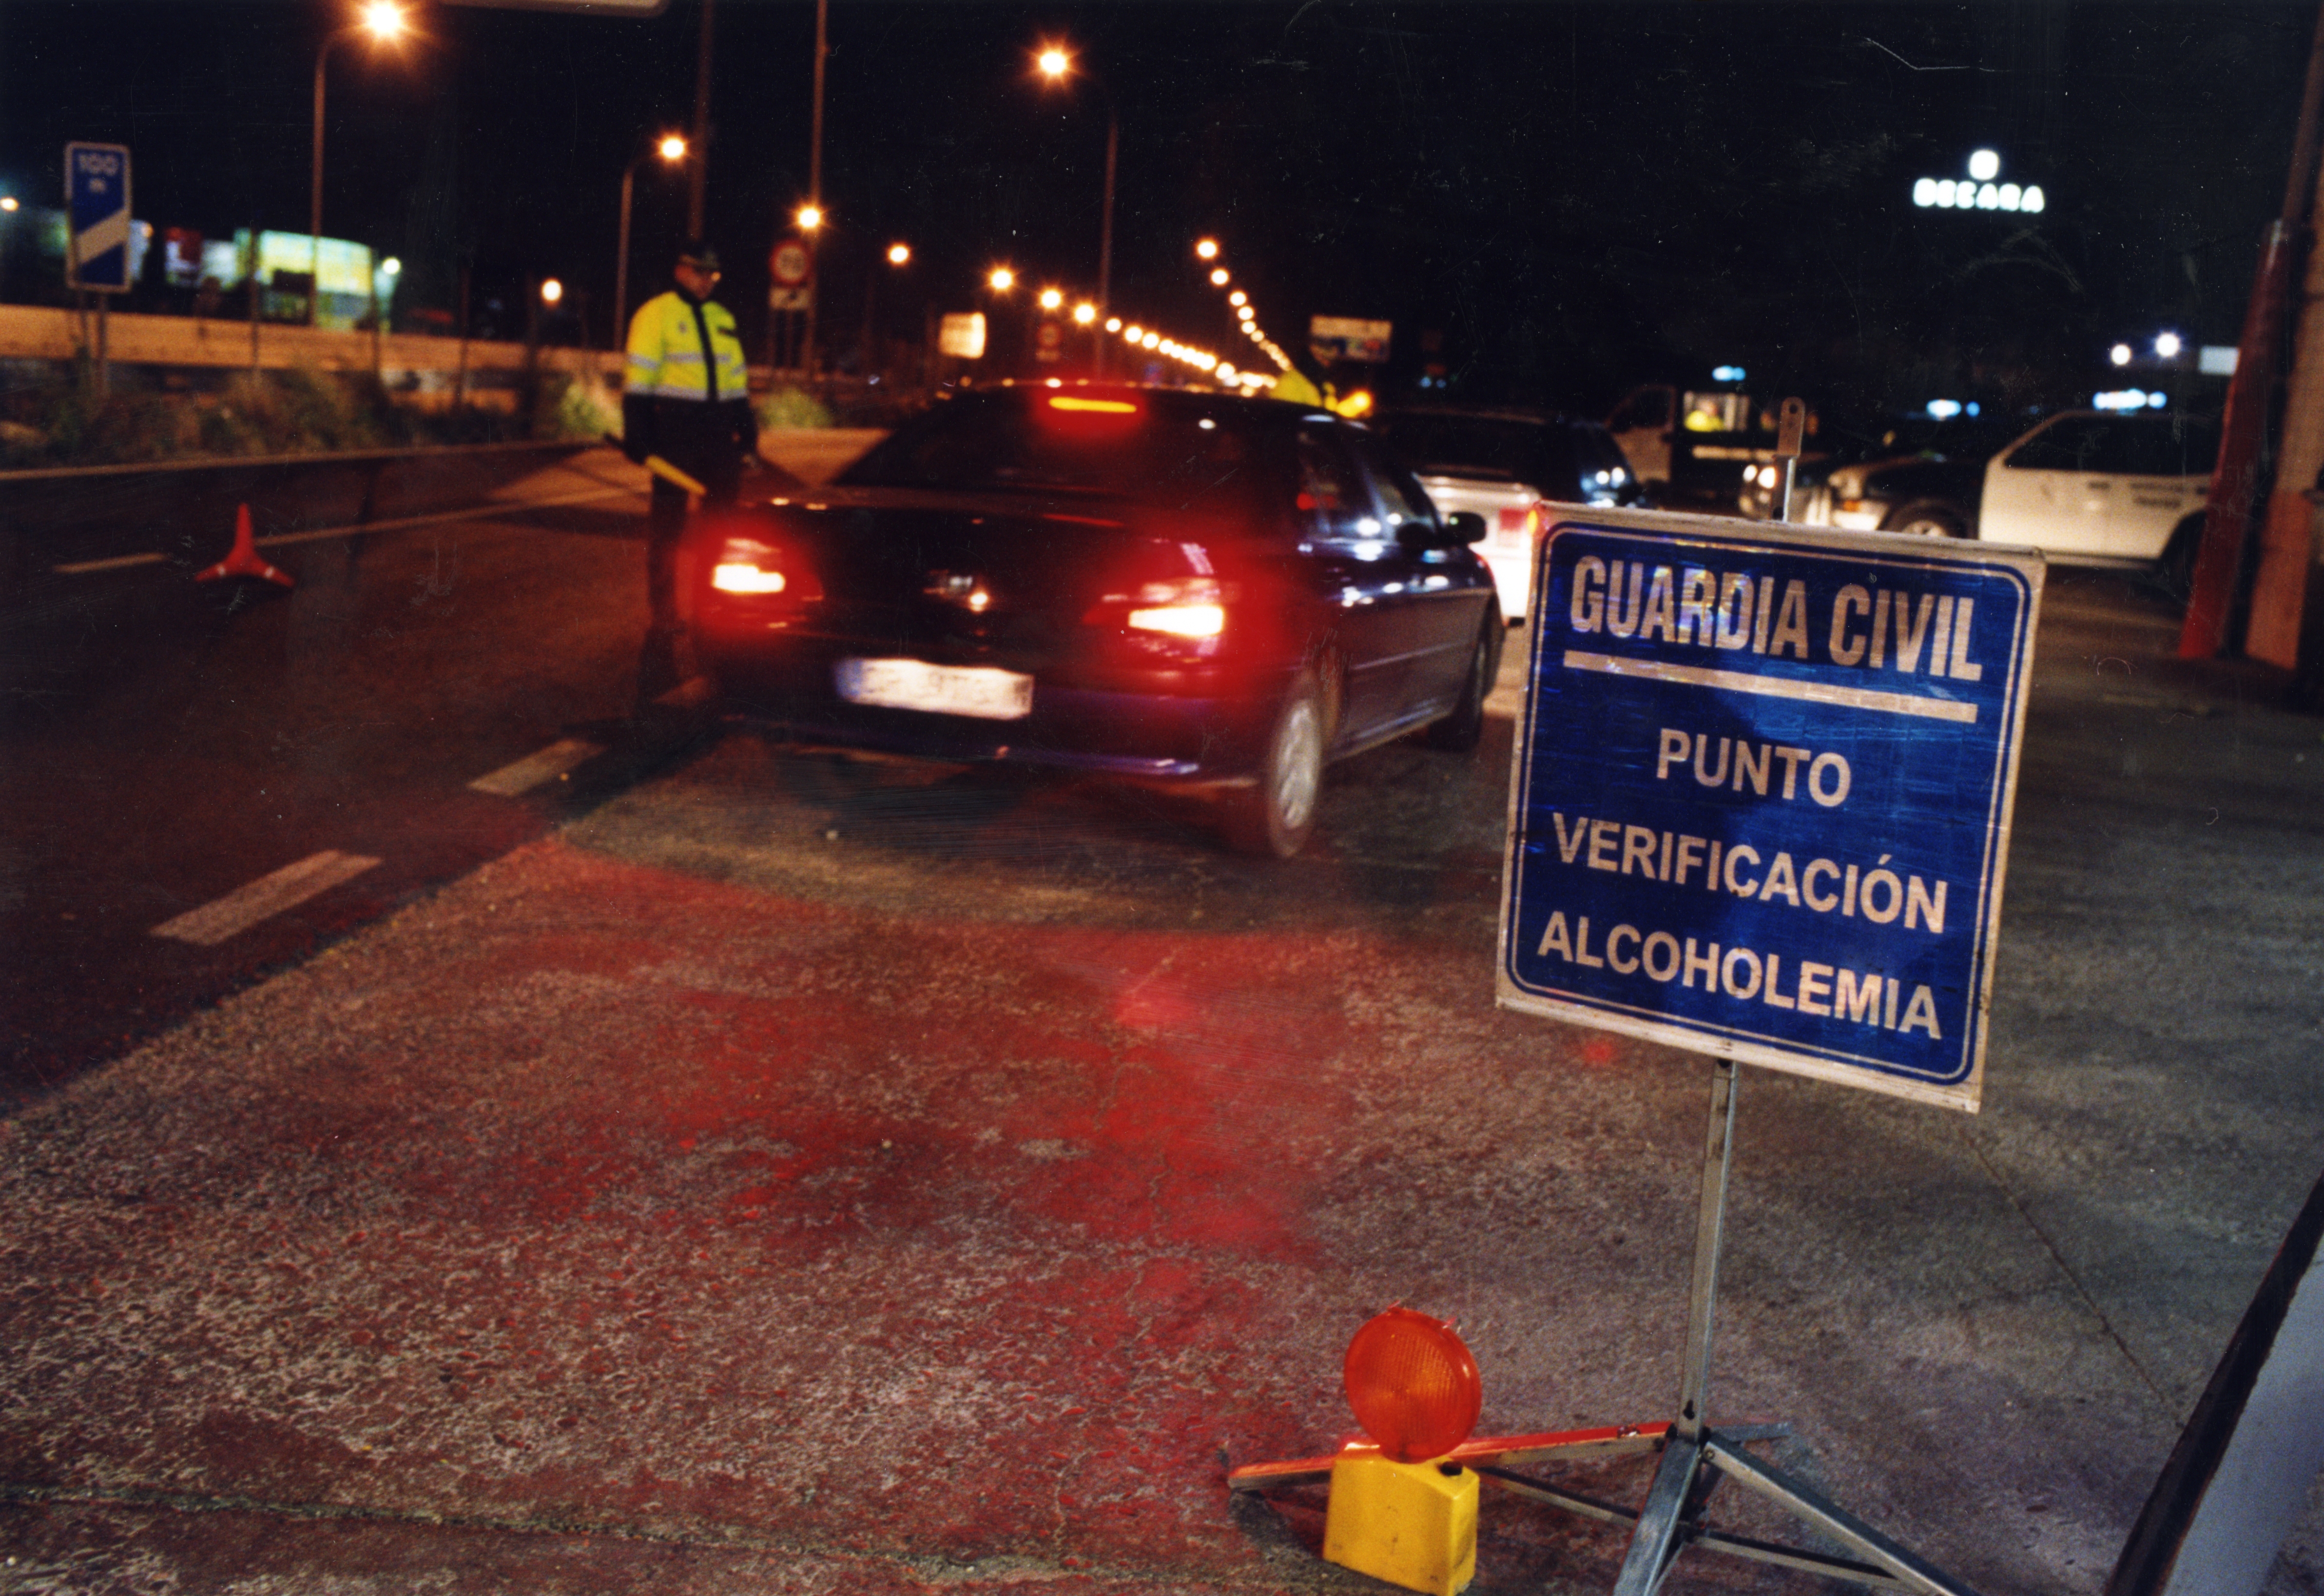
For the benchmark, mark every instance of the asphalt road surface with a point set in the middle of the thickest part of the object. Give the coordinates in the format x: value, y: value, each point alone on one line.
x: 695, y: 1162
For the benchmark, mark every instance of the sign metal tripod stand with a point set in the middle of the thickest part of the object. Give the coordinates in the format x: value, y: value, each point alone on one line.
x: 1694, y: 1451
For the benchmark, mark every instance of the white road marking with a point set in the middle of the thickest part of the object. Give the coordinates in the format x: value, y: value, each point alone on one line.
x: 265, y: 897
x: 534, y: 768
x: 1777, y: 686
x: 123, y: 562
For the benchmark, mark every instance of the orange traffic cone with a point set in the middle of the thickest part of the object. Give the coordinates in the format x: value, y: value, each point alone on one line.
x: 242, y: 559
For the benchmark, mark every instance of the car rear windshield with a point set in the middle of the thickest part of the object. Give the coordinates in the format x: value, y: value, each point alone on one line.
x: 1119, y: 444
x: 1505, y: 450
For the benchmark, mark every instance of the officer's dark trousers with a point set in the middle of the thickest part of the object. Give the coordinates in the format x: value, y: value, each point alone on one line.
x: 713, y: 462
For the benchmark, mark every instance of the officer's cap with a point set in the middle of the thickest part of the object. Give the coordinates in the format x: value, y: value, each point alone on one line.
x: 699, y: 255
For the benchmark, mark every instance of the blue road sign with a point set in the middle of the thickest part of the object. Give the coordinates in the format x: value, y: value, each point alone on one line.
x: 1761, y: 799
x: 96, y: 211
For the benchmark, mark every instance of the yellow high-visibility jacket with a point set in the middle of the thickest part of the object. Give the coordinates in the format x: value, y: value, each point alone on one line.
x: 668, y: 358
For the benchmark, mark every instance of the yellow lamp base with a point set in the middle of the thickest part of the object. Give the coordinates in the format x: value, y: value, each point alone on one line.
x: 1413, y: 1525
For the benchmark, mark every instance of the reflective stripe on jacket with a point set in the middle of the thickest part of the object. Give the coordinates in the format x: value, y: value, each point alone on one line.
x: 666, y: 357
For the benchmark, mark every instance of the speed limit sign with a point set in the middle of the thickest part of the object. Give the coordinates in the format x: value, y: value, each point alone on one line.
x: 792, y: 264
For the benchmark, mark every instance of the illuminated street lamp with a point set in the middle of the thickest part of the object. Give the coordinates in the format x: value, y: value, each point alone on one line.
x: 2119, y: 354
x: 1052, y: 299
x: 1207, y: 249
x: 1001, y: 280
x: 671, y: 149
x: 1056, y: 64
x: 1219, y: 278
x: 1084, y: 314
x: 551, y: 290
x: 1237, y: 298
x: 898, y: 254
x: 2167, y: 345
x: 810, y: 217
x: 385, y: 21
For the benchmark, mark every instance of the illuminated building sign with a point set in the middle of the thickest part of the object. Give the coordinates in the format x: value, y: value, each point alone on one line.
x: 1978, y: 191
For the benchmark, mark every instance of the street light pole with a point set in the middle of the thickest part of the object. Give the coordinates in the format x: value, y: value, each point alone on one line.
x: 815, y: 187
x: 314, y: 198
x: 1056, y: 63
x: 1105, y: 233
x: 384, y: 20
x: 622, y: 257
x: 670, y: 148
x: 701, y: 173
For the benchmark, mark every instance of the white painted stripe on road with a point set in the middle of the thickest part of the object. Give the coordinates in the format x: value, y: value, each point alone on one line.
x: 265, y: 897
x: 122, y: 562
x: 534, y: 768
x: 1777, y: 686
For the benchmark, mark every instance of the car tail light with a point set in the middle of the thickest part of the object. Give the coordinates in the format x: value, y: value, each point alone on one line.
x: 741, y: 576
x: 1192, y: 607
x: 750, y: 567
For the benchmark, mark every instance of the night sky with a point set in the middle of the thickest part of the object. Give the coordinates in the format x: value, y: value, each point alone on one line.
x: 1575, y: 198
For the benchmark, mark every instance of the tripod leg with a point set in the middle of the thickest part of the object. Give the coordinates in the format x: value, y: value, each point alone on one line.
x: 1809, y: 1507
x: 1654, y: 1542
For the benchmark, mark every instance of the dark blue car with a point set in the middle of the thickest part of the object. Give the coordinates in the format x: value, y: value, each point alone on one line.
x: 1166, y: 586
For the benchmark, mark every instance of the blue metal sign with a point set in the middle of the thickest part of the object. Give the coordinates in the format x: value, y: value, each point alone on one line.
x: 1762, y: 791
x: 96, y: 212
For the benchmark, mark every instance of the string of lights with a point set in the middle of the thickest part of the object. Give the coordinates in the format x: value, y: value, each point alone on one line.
x: 1246, y: 313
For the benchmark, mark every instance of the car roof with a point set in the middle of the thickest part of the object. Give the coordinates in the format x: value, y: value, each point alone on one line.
x: 1483, y: 413
x: 1261, y: 410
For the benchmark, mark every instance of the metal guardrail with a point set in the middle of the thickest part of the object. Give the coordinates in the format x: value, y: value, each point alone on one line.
x: 231, y: 462
x: 64, y: 521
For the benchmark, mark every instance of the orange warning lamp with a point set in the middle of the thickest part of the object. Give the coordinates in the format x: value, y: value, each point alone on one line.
x: 1413, y: 1384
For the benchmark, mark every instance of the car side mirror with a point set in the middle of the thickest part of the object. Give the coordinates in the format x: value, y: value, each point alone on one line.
x: 1458, y: 529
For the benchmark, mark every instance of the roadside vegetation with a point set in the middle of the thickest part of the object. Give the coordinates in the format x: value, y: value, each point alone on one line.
x: 58, y: 420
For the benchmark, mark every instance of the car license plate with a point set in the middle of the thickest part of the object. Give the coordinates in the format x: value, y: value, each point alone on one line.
x: 975, y: 690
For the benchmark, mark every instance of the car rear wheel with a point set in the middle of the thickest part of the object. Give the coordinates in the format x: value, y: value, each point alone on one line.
x: 1928, y: 521
x: 1462, y: 730
x: 1278, y: 814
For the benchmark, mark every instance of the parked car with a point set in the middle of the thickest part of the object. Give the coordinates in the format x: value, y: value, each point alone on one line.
x: 1689, y: 447
x: 2105, y: 488
x: 1916, y: 475
x: 1179, y: 588
x: 1504, y: 465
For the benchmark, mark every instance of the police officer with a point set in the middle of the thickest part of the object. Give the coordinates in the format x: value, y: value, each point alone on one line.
x: 685, y: 398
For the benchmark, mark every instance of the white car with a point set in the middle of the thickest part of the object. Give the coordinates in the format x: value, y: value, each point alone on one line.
x: 1503, y: 465
x: 2095, y: 487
